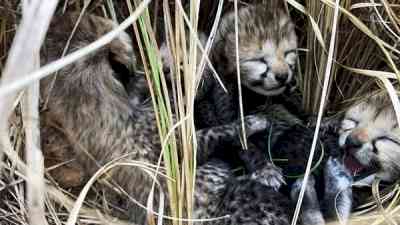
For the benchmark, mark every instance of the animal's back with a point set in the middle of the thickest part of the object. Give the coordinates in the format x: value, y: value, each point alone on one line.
x: 91, y: 106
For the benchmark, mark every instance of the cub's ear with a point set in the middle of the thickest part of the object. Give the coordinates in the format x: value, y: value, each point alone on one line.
x: 122, y: 58
x: 167, y: 57
x: 122, y: 71
x: 121, y: 52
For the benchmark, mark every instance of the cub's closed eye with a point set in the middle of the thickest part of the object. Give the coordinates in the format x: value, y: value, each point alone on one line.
x: 386, y: 138
x: 258, y: 59
x: 290, y: 51
x: 348, y: 124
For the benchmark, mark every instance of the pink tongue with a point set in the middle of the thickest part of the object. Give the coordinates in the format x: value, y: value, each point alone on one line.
x: 353, y: 165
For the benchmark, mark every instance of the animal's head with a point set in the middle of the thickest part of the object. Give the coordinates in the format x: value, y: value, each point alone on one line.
x: 370, y: 136
x: 267, y: 48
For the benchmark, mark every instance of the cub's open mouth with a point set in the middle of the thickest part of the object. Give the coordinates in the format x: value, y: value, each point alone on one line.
x: 353, y: 164
x: 358, y: 170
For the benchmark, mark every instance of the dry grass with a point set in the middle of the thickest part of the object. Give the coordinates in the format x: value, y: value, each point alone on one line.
x: 336, y: 68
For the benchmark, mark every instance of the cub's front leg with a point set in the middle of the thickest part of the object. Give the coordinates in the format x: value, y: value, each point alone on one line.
x: 338, y: 192
x: 212, y: 139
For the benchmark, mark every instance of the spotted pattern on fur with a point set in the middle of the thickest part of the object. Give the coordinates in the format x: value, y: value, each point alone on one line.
x: 88, y: 101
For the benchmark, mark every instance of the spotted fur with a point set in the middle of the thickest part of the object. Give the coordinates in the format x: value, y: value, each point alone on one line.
x: 89, y: 104
x: 329, y: 193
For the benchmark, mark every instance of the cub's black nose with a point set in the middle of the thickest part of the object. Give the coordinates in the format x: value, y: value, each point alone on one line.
x: 352, y: 142
x: 281, y: 77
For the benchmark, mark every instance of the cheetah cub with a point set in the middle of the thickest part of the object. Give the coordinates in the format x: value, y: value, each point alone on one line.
x: 267, y: 58
x: 90, y: 114
x: 267, y: 48
x: 370, y: 136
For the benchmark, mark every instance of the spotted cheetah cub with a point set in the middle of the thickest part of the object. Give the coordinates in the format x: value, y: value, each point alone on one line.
x: 267, y: 48
x: 90, y: 113
x: 267, y: 58
x: 370, y: 136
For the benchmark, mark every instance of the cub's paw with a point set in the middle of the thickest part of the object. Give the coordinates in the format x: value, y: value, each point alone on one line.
x: 310, y: 200
x: 296, y: 186
x: 269, y: 175
x: 255, y: 123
